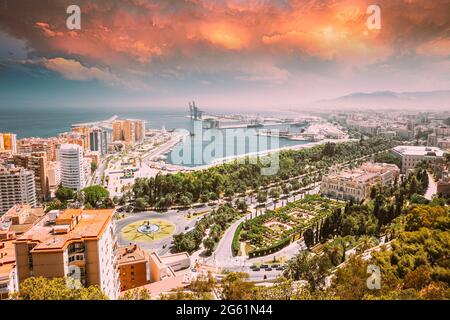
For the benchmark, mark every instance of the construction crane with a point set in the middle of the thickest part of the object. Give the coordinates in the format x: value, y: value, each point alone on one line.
x: 196, y: 113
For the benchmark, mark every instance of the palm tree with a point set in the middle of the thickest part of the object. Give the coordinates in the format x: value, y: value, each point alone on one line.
x: 366, y: 242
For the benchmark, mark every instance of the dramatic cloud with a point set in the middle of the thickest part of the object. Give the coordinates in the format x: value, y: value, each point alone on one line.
x: 74, y: 70
x: 225, y: 43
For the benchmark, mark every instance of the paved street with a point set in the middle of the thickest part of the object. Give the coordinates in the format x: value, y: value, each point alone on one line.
x: 223, y: 256
x: 432, y: 188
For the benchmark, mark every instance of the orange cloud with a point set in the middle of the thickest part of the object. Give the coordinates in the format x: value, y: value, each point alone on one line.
x: 437, y: 47
x: 201, y: 34
x: 48, y: 32
x: 74, y: 70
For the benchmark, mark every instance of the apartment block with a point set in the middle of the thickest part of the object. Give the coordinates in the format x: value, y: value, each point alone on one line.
x: 85, y: 134
x: 31, y: 145
x: 54, y: 176
x: 36, y: 162
x: 17, y: 186
x: 73, y: 243
x: 8, y: 271
x: 13, y: 223
x: 134, y: 267
x: 129, y: 131
x: 98, y: 140
x: 72, y: 166
x: 8, y: 142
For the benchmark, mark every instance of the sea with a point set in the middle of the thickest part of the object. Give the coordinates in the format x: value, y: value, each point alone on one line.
x: 48, y: 122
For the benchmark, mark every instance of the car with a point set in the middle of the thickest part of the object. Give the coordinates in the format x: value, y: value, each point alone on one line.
x: 279, y: 268
x: 256, y: 269
x: 264, y: 266
x: 268, y: 269
x: 275, y: 265
x: 253, y: 267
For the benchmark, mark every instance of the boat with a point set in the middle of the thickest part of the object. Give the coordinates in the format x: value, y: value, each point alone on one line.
x: 300, y: 124
x: 256, y: 125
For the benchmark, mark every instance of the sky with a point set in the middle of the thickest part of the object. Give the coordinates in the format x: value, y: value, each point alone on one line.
x: 225, y: 54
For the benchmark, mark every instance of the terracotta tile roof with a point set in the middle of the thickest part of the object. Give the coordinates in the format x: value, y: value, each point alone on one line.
x: 130, y: 254
x: 90, y: 226
x: 7, y: 259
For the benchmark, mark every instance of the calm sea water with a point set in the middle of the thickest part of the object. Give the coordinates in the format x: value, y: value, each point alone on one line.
x: 51, y: 122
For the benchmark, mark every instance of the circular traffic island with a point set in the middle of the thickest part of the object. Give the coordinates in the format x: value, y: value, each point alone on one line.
x: 148, y: 230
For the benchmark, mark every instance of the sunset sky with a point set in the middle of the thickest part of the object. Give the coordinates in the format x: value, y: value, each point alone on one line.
x: 231, y: 54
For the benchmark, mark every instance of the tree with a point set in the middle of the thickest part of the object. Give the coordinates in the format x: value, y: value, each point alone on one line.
x: 136, y: 294
x: 56, y: 205
x: 418, y: 199
x: 93, y: 167
x: 95, y: 195
x: 185, y: 201
x: 204, y: 198
x: 309, y: 267
x: 241, y: 205
x: 229, y: 192
x: 308, y: 237
x: 41, y: 288
x: 275, y: 195
x: 140, y: 204
x: 236, y: 177
x: 373, y: 192
x: 261, y: 197
x: 350, y: 281
x: 236, y: 287
x: 209, y: 244
x: 64, y: 194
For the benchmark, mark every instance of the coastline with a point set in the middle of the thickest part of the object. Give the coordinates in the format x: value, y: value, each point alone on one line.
x: 224, y: 160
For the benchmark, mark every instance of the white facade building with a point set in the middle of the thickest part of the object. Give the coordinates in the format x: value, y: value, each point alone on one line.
x: 72, y: 166
x: 357, y: 184
x: 413, y: 155
x: 17, y: 186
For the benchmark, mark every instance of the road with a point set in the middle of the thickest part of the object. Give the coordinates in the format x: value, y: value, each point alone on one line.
x: 223, y: 256
x: 432, y: 188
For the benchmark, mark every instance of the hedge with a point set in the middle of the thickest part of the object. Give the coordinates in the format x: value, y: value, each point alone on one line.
x: 276, y: 247
x: 235, y: 244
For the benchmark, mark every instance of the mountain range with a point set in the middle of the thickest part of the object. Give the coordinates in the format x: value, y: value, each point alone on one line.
x: 388, y: 100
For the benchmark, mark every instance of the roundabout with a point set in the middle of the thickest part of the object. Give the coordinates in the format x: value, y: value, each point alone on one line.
x: 153, y: 231
x: 147, y: 230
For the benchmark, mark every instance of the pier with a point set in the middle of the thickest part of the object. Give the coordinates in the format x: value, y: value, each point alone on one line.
x: 102, y: 123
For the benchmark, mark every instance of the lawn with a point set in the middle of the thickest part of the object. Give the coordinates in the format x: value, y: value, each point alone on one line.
x: 131, y: 233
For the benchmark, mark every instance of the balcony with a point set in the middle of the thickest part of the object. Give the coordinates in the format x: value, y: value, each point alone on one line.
x: 76, y: 248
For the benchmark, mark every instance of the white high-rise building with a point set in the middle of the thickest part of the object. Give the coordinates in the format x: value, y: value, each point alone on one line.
x: 72, y: 166
x: 17, y: 186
